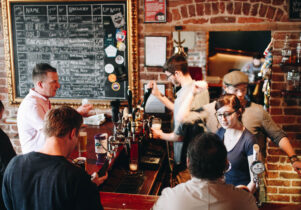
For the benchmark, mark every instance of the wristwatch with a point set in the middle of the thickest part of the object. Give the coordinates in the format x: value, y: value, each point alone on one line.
x: 293, y: 158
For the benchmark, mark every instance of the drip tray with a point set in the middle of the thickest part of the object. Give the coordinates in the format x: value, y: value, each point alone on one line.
x: 131, y: 183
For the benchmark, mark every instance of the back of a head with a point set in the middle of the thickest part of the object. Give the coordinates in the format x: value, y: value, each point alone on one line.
x: 61, y: 121
x: 175, y: 63
x: 257, y: 56
x: 40, y: 70
x: 207, y: 157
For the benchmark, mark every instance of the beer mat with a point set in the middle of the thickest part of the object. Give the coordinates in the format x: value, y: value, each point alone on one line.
x: 131, y: 183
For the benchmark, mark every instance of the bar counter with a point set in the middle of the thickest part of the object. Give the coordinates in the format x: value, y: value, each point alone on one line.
x: 146, y: 196
x: 117, y: 201
x: 146, y: 181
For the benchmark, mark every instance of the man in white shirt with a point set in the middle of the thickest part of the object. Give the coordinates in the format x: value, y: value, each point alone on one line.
x: 177, y: 72
x: 207, y: 163
x: 34, y: 106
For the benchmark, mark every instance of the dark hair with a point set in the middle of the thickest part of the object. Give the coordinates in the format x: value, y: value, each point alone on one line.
x: 207, y: 157
x: 61, y: 121
x: 233, y: 101
x: 176, y: 63
x: 40, y: 70
x: 1, y: 106
x: 257, y: 56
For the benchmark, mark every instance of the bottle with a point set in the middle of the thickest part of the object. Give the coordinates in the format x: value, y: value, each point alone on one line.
x: 298, y: 51
x: 298, y: 56
x: 286, y: 52
x: 101, y: 147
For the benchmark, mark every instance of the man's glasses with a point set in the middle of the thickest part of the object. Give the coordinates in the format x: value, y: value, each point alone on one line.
x: 234, y: 90
x: 169, y: 76
x: 224, y: 115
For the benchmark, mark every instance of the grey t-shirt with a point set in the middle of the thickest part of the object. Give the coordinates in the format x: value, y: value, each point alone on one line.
x: 199, y: 100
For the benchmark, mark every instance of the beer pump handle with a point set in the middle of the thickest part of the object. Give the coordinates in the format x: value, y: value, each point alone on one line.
x: 255, y: 152
x: 115, y: 110
x: 129, y: 96
x: 104, y: 168
x: 146, y: 96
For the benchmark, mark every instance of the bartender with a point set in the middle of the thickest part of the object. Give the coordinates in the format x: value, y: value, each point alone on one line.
x: 30, y: 118
x: 252, y: 68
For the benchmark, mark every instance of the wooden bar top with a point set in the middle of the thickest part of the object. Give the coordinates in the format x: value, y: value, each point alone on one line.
x: 114, y: 201
x: 119, y: 201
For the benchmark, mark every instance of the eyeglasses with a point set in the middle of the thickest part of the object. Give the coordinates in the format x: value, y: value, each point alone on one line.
x: 234, y: 90
x: 169, y: 76
x: 224, y: 115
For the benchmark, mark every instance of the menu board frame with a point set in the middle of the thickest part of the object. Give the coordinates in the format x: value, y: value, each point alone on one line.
x: 131, y: 50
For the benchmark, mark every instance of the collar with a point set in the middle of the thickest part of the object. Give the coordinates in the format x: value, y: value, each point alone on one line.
x: 36, y: 94
x: 220, y: 180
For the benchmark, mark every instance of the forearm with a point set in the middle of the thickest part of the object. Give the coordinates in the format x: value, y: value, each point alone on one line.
x: 166, y: 102
x: 184, y: 110
x: 286, y: 146
x: 251, y: 186
x: 170, y: 137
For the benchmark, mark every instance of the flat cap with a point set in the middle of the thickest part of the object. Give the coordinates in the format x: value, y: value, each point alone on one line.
x: 235, y: 78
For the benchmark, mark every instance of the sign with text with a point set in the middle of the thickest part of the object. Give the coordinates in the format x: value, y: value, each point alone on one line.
x: 295, y: 9
x: 86, y: 41
x: 154, y: 11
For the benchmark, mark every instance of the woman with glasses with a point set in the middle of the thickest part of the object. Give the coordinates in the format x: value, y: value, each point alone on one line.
x: 237, y: 139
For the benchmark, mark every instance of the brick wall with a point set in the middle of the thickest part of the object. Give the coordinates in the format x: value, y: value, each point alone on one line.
x: 221, y: 15
x: 201, y: 16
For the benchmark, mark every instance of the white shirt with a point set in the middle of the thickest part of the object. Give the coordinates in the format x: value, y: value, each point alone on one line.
x: 205, y: 195
x: 30, y: 121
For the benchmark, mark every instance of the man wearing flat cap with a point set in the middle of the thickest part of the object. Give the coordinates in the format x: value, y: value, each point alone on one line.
x: 254, y: 118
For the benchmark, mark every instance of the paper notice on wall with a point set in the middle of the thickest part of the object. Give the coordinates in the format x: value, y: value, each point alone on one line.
x: 154, y: 105
x: 188, y: 36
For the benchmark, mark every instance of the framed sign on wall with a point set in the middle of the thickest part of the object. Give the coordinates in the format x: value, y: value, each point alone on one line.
x: 155, y: 50
x: 92, y: 44
x: 154, y: 11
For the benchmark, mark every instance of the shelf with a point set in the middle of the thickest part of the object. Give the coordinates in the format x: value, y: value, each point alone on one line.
x: 291, y: 93
x: 289, y: 67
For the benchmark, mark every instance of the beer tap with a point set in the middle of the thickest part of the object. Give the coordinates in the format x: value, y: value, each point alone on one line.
x: 257, y: 168
x: 146, y: 96
x: 115, y: 115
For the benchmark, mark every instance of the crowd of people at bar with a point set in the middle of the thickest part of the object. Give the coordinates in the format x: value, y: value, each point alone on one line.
x: 213, y: 142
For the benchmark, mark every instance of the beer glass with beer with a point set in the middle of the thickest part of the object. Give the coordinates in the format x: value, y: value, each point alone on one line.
x: 156, y: 125
x: 82, y: 143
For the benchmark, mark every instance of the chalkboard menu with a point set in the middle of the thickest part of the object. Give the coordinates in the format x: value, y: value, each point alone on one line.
x: 85, y: 41
x: 295, y: 9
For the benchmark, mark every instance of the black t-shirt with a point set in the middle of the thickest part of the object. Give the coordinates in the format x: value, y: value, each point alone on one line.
x: 36, y: 181
x: 7, y: 152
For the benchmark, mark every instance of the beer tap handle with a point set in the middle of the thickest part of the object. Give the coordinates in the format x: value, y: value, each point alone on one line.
x: 129, y: 96
x: 255, y: 152
x: 115, y: 110
x: 146, y: 96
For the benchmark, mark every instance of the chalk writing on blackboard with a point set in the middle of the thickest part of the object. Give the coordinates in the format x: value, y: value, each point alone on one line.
x: 72, y: 37
x: 295, y: 9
